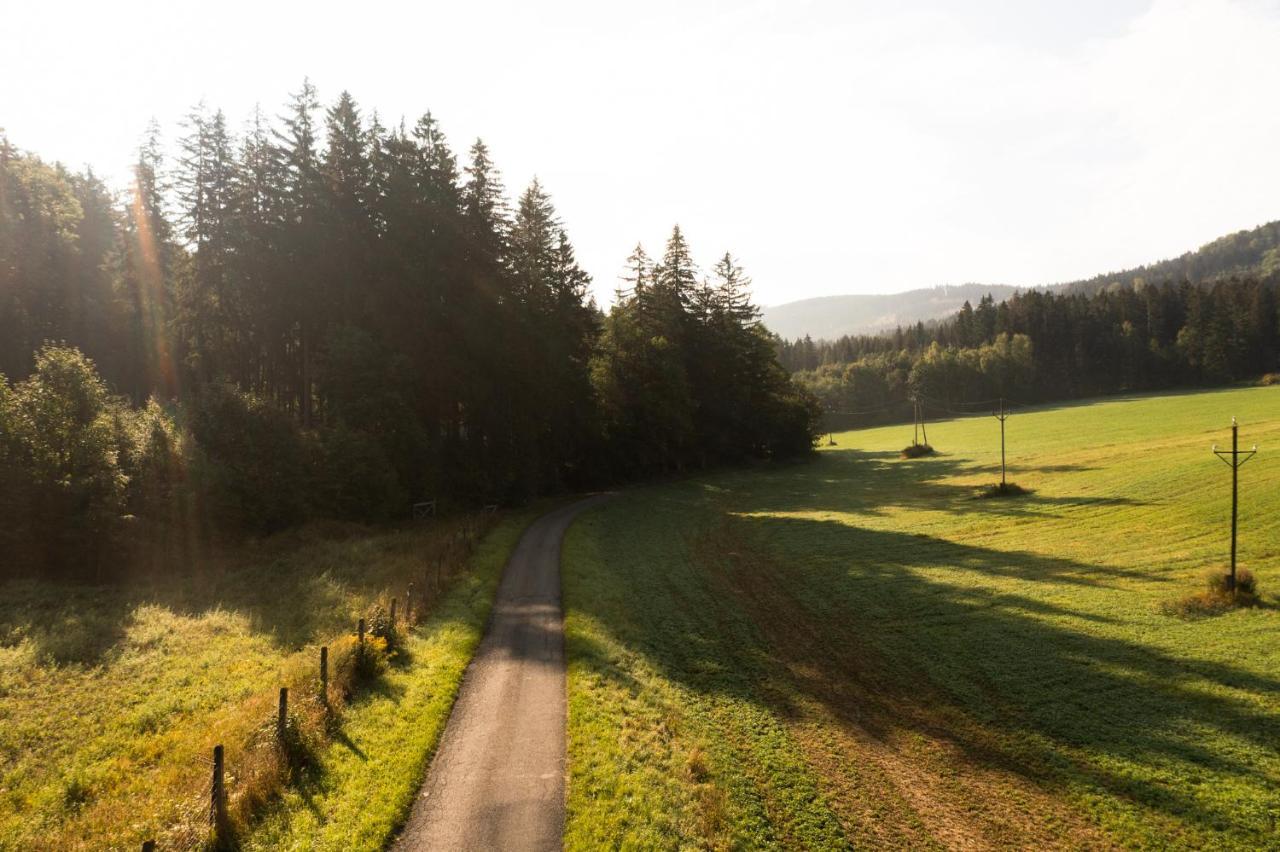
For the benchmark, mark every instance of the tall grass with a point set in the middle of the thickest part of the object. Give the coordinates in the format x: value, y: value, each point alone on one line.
x: 111, y: 698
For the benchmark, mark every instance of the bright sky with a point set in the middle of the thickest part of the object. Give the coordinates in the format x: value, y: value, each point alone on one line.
x: 833, y: 146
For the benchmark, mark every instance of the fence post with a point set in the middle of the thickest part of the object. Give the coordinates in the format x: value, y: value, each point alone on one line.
x: 324, y: 674
x: 360, y: 633
x: 282, y: 716
x: 218, y: 794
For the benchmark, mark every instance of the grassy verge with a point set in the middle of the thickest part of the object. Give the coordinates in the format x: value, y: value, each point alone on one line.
x: 858, y: 652
x: 362, y: 788
x: 111, y: 698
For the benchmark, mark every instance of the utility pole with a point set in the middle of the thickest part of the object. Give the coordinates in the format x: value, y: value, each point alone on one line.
x: 1001, y: 416
x: 1233, y: 458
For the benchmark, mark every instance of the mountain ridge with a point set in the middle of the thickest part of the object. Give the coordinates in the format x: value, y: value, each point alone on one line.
x: 1251, y: 252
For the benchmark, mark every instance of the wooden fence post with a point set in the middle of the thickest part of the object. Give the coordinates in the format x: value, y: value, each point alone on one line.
x: 324, y: 675
x: 360, y: 633
x: 282, y: 715
x: 218, y: 794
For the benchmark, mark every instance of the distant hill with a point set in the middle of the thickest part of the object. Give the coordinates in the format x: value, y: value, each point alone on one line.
x: 1254, y: 252
x: 830, y: 317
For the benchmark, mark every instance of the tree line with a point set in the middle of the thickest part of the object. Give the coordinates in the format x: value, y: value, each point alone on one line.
x: 323, y: 315
x: 1049, y: 345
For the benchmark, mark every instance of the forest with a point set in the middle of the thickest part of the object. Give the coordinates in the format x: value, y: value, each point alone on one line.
x: 1044, y: 345
x: 323, y: 316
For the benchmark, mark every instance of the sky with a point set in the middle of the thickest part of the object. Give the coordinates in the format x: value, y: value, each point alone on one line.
x: 833, y: 147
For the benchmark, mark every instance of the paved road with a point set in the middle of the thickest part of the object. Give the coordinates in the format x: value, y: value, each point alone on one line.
x: 497, y: 780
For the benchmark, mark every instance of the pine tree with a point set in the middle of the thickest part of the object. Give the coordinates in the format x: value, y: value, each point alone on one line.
x: 207, y: 312
x: 302, y: 241
x: 733, y: 294
x: 145, y: 274
x: 677, y: 275
x: 637, y: 276
x: 348, y: 179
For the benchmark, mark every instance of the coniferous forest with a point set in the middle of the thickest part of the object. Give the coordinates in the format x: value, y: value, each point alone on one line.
x: 1039, y: 346
x: 323, y: 316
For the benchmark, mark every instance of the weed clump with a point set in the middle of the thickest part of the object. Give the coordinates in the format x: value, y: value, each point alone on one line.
x: 380, y: 625
x: 915, y: 451
x: 1216, y: 598
x: 1220, y: 582
x: 1269, y: 379
x: 1003, y: 489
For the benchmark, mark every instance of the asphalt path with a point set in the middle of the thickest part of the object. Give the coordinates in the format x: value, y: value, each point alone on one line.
x: 498, y: 778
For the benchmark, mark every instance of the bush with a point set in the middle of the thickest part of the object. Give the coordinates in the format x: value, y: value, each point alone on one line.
x: 1219, y: 582
x: 1269, y: 380
x: 248, y: 461
x: 1003, y: 489
x: 915, y: 451
x: 793, y: 419
x: 378, y: 623
x: 63, y: 486
x: 153, y: 456
x: 352, y: 478
x: 1216, y: 597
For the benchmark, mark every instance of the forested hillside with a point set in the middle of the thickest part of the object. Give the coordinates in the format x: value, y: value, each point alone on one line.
x: 326, y: 316
x: 1038, y: 346
x: 1250, y: 254
x: 833, y: 317
x: 1254, y: 253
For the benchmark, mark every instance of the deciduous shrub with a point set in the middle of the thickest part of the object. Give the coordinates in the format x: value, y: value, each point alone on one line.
x: 248, y: 461
x: 59, y: 464
x: 1217, y: 596
x: 153, y: 457
x: 1219, y: 582
x: 351, y: 477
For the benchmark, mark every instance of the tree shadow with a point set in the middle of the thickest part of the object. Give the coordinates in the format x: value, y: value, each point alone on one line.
x: 281, y: 593
x: 877, y: 483
x: 858, y: 621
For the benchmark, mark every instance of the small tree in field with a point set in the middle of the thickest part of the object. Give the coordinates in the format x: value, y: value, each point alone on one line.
x: 62, y: 453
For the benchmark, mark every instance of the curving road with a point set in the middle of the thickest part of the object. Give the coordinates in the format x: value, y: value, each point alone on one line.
x: 498, y: 778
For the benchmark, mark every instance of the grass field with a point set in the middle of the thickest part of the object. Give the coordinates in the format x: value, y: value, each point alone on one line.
x: 858, y: 652
x: 111, y: 698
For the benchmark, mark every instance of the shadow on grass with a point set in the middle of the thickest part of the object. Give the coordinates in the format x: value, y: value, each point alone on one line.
x: 850, y: 618
x: 860, y: 482
x: 295, y: 588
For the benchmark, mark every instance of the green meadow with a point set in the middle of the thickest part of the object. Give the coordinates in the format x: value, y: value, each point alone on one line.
x: 859, y: 651
x: 111, y: 698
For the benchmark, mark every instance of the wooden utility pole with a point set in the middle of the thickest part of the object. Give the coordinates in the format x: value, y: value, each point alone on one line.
x: 1001, y: 416
x: 1236, y: 460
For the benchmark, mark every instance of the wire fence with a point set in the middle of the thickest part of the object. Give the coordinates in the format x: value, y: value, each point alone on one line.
x: 198, y: 818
